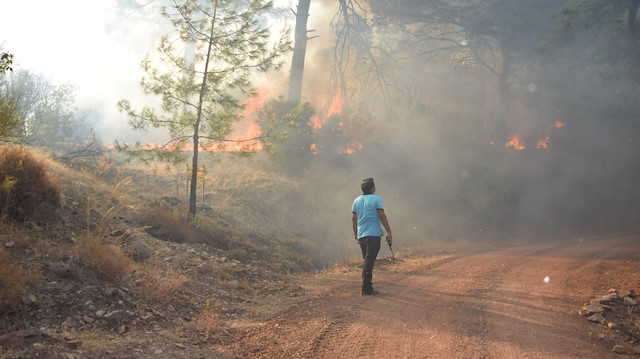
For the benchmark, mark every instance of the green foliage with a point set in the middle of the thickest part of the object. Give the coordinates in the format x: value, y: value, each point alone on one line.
x: 7, y: 188
x: 289, y: 134
x: 201, y: 92
x: 145, y: 153
x: 37, y: 111
x: 6, y: 60
x: 593, y: 33
x: 203, y: 69
x: 10, y: 118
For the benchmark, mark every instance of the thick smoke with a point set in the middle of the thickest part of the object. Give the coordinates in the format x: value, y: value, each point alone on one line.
x: 444, y: 167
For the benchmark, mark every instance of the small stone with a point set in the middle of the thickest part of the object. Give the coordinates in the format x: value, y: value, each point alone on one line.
x: 624, y: 293
x: 618, y: 349
x: 611, y: 325
x: 122, y: 329
x: 100, y: 313
x: 116, y: 315
x: 10, y: 244
x: 591, y: 309
x: 607, y: 298
x: 74, y: 344
x: 30, y: 300
x: 181, y: 346
x: 597, y: 318
x: 629, y: 301
x: 69, y: 336
x: 88, y: 319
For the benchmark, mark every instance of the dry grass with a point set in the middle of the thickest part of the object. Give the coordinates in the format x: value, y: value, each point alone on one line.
x: 12, y: 354
x: 245, y: 286
x: 92, y: 340
x: 27, y: 191
x: 213, y: 233
x: 11, y: 283
x: 161, y: 284
x: 107, y: 259
x: 168, y: 225
x: 208, y: 323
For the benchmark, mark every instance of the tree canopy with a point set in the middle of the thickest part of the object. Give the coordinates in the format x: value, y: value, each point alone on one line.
x: 202, y: 72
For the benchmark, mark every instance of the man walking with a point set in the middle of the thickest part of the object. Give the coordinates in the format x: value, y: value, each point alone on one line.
x: 367, y: 213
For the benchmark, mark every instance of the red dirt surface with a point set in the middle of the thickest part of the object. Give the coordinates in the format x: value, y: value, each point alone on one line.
x: 490, y: 304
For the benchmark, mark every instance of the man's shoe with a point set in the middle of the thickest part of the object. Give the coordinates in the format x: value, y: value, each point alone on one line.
x: 370, y: 292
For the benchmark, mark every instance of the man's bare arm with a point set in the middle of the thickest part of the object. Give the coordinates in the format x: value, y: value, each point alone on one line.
x: 385, y: 223
x: 354, y: 222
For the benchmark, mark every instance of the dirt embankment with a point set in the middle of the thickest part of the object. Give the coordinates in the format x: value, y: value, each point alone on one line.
x: 495, y: 304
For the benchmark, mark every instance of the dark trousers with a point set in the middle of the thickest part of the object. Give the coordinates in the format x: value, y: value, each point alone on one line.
x: 370, y: 247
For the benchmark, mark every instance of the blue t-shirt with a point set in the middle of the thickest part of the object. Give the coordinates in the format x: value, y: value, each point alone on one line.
x: 366, y: 209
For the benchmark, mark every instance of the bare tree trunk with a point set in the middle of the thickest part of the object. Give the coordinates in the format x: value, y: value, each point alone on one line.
x: 196, y: 128
x: 299, y: 50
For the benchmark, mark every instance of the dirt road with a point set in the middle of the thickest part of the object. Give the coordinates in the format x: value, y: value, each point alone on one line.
x: 492, y: 304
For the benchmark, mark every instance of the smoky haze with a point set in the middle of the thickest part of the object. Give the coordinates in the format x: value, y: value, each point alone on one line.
x: 456, y: 159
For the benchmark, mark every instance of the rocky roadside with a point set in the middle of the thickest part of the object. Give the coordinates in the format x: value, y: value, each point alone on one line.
x: 618, y: 315
x: 71, y: 314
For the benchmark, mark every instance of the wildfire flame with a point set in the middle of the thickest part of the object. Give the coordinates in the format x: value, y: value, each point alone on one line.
x: 516, y: 142
x: 335, y: 108
x: 543, y: 143
x: 247, y: 131
x: 336, y: 105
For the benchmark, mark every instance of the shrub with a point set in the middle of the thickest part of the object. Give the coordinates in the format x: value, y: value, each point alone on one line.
x: 27, y: 192
x: 107, y: 259
x: 160, y: 285
x: 214, y: 234
x: 10, y: 283
x: 208, y: 323
x: 167, y: 225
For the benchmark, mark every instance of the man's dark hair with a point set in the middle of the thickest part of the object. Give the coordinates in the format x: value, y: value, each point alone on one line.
x: 367, y: 185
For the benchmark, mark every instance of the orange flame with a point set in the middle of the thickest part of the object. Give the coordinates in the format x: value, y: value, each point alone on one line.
x: 543, y: 143
x: 335, y: 108
x: 336, y: 105
x: 516, y: 143
x: 315, y: 122
x: 353, y: 149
